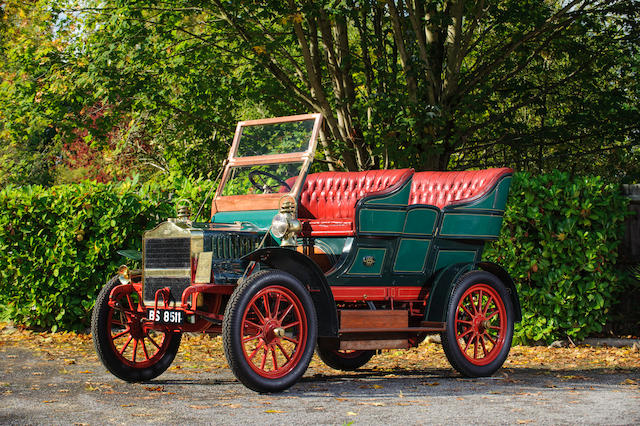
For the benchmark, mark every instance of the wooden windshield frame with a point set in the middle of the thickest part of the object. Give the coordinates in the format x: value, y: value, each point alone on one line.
x: 246, y: 202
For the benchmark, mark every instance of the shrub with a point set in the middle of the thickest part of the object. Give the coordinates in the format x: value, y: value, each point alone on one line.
x: 60, y: 244
x: 559, y: 243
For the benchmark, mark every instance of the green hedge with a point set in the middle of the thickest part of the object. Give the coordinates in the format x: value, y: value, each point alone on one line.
x: 60, y: 244
x: 559, y: 243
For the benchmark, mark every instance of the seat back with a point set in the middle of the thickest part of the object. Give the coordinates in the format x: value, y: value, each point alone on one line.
x: 443, y: 188
x: 333, y: 195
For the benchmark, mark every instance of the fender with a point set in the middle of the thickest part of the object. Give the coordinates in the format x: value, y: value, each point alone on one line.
x: 504, y: 276
x: 443, y: 285
x: 304, y: 269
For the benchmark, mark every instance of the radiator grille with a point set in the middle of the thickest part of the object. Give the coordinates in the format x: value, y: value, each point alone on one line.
x: 167, y: 253
x: 230, y: 246
x: 153, y: 284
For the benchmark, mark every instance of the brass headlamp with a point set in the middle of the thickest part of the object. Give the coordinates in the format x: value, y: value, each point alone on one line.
x: 284, y: 224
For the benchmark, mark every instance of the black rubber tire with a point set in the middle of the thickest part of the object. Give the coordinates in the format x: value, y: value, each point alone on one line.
x: 102, y: 343
x: 450, y: 343
x: 336, y: 360
x: 232, y: 330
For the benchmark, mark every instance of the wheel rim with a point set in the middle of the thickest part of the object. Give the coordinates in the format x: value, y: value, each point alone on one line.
x: 274, y: 332
x: 132, y: 340
x: 480, y: 324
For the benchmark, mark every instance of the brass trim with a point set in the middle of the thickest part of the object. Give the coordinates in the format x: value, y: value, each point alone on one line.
x: 167, y: 273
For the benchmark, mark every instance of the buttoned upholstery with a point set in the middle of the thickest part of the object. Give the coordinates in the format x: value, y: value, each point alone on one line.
x: 328, y: 200
x: 443, y: 188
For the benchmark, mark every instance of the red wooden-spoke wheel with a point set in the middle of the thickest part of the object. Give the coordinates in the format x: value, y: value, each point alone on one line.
x: 269, y: 331
x: 274, y: 332
x: 133, y: 341
x: 124, y: 340
x: 480, y: 324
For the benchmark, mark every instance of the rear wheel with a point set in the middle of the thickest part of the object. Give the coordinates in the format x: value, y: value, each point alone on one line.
x: 126, y: 344
x: 479, y: 327
x: 269, y: 331
x: 344, y: 360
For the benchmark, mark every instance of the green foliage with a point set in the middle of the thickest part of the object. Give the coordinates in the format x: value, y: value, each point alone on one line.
x: 559, y: 243
x: 59, y: 244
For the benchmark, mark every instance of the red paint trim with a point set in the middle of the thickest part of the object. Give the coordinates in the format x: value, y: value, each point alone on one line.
x: 352, y: 294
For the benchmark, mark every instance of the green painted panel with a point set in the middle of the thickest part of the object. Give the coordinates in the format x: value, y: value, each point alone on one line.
x: 400, y: 198
x: 502, y: 193
x: 420, y: 221
x: 485, y: 202
x: 445, y: 258
x: 470, y: 225
x: 411, y: 256
x: 260, y: 218
x: 359, y: 268
x: 381, y: 221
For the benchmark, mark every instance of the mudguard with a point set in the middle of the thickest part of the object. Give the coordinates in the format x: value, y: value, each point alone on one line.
x: 304, y: 269
x: 443, y: 285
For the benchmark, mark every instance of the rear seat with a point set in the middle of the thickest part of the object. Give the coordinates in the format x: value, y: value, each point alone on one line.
x: 328, y: 200
x: 441, y: 189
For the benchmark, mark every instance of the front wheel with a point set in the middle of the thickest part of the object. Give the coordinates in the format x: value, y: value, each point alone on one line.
x: 479, y: 326
x: 124, y: 340
x: 269, y: 331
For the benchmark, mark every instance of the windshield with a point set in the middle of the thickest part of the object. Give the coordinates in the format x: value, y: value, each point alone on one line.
x: 268, y: 159
x: 274, y: 139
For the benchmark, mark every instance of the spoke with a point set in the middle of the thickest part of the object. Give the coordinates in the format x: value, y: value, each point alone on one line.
x: 467, y: 311
x: 290, y: 339
x: 273, y: 357
x: 257, y: 348
x: 495, y: 327
x: 291, y: 325
x: 258, y: 313
x: 286, y: 355
x: 117, y: 336
x: 144, y: 349
x: 475, y: 348
x: 264, y: 358
x: 464, y: 322
x: 493, y: 314
x: 493, y: 342
x: 126, y: 345
x: 484, y: 349
x: 486, y: 308
x: 265, y: 301
x: 135, y: 349
x: 479, y: 301
x: 153, y: 341
x: 277, y: 306
x: 468, y: 343
x: 250, y: 338
x: 469, y: 330
x: 253, y: 324
x: 285, y: 313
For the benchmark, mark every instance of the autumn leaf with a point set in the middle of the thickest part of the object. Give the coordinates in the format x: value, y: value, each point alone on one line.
x: 351, y: 413
x: 274, y: 411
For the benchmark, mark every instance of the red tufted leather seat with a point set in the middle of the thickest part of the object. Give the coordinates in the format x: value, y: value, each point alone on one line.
x: 444, y: 188
x: 328, y: 200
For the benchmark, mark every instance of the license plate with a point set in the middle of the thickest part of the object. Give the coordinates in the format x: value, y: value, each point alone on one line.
x: 165, y: 316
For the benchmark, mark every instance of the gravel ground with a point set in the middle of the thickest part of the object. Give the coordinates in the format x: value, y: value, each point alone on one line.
x: 46, y: 389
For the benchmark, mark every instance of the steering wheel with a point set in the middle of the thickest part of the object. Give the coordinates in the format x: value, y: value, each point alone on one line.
x: 266, y: 187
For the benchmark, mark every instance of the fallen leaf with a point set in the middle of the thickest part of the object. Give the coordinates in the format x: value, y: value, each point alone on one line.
x: 521, y: 422
x: 154, y: 388
x: 274, y: 411
x: 127, y: 405
x: 199, y: 407
x: 49, y: 401
x: 629, y: 382
x: 351, y: 413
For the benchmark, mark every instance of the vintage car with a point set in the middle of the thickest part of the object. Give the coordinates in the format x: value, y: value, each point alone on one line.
x: 344, y: 263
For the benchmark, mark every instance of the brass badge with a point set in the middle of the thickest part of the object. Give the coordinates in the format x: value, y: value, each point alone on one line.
x: 368, y: 260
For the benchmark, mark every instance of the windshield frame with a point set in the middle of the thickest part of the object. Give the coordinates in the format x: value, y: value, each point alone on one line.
x: 269, y: 201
